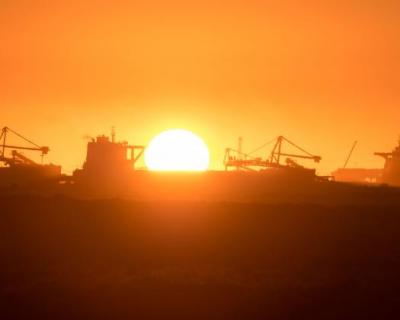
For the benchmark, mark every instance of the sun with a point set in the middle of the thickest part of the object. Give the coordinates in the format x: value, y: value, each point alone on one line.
x: 177, y: 150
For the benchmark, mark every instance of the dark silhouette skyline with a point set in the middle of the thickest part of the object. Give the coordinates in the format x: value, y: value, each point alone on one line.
x: 325, y: 74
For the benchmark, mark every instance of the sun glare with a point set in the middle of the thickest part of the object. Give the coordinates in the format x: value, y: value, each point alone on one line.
x: 177, y: 150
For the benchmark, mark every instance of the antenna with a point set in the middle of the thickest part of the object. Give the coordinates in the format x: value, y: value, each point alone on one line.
x: 240, y: 154
x: 112, y: 134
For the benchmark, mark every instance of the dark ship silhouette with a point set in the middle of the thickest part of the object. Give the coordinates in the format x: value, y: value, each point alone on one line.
x: 391, y: 169
x: 110, y: 167
x: 108, y: 160
x: 389, y: 174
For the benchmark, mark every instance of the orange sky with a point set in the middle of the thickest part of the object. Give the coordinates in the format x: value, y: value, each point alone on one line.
x: 324, y: 75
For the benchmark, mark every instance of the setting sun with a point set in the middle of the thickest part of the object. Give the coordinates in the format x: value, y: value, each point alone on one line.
x: 177, y: 150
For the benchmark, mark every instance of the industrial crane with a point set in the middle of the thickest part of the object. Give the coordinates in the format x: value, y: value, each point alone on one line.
x: 18, y: 158
x: 235, y: 158
x: 277, y: 153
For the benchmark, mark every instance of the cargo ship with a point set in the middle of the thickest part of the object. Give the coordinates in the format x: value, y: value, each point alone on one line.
x: 389, y: 174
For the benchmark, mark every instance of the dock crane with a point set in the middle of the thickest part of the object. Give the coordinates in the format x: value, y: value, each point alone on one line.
x: 18, y: 158
x: 237, y: 159
x: 277, y: 153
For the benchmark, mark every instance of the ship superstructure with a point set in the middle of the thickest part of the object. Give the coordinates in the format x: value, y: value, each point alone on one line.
x: 107, y: 159
x: 391, y: 169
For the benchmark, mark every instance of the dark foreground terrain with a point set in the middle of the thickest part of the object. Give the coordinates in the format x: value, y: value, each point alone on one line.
x: 113, y: 259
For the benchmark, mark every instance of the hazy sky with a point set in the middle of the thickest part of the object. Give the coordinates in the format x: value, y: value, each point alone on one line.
x: 323, y: 73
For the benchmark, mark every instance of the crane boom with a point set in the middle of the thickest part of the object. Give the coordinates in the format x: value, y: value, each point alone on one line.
x: 18, y: 158
x: 350, y: 154
x: 277, y: 152
x: 44, y: 150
